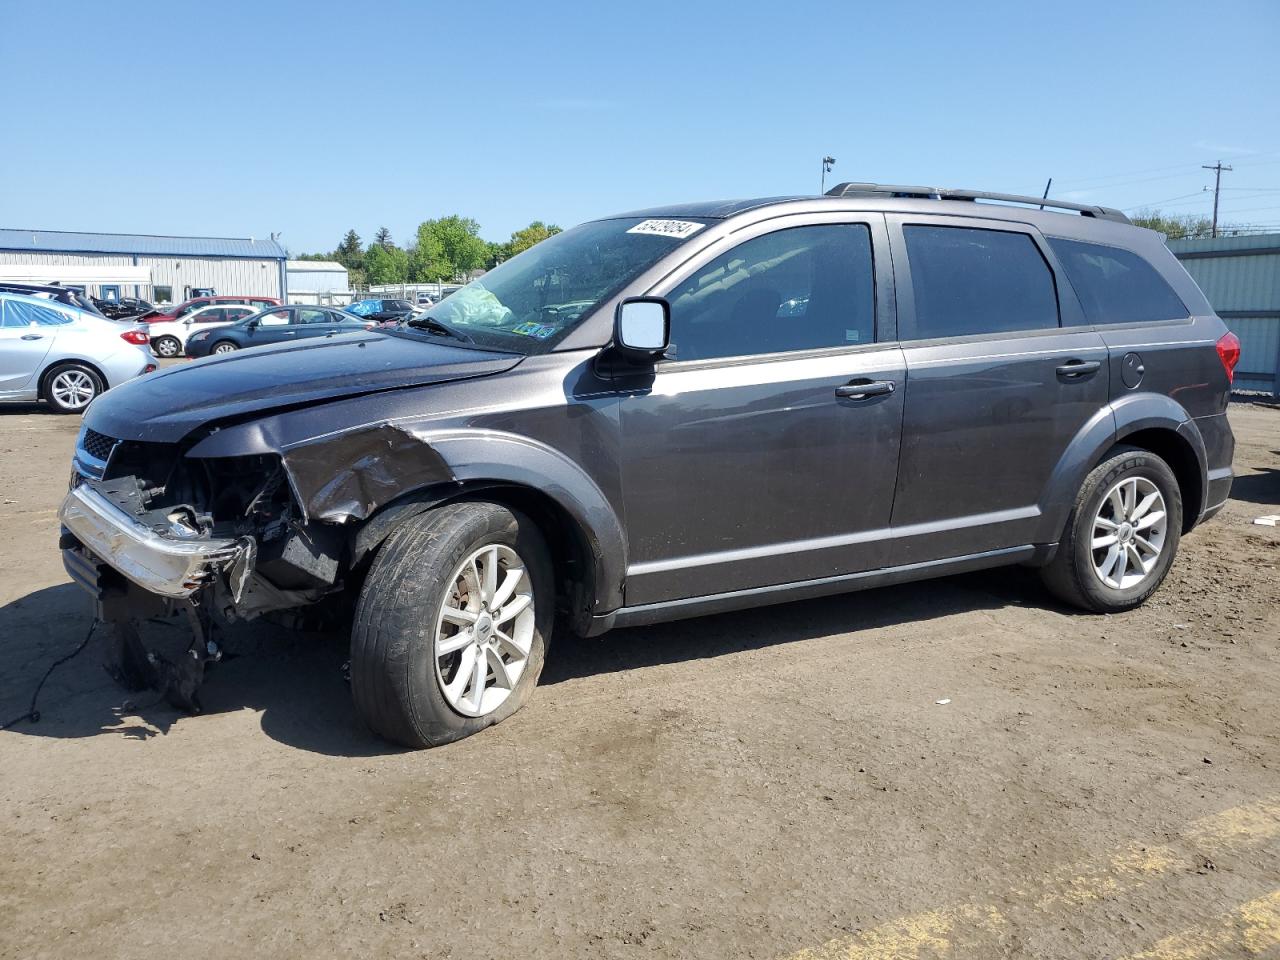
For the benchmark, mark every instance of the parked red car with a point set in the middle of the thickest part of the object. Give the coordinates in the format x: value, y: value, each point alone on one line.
x: 195, y: 303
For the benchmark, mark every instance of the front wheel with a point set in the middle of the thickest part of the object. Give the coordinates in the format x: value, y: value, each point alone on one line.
x: 1121, y: 537
x: 452, y: 623
x: 224, y: 346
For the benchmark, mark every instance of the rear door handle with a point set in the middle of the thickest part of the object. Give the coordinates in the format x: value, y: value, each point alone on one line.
x: 864, y: 389
x: 33, y: 336
x: 1079, y: 369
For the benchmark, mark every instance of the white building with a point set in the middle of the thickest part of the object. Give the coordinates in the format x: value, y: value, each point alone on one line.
x: 317, y: 281
x: 160, y: 269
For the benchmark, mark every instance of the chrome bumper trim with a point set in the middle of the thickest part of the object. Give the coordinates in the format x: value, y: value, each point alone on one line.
x: 171, y: 568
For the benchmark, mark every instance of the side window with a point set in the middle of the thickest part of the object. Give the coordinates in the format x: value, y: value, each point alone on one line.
x: 969, y: 281
x: 276, y: 318
x: 20, y: 314
x: 216, y: 315
x: 1115, y: 285
x: 312, y: 316
x: 797, y: 289
x: 239, y: 313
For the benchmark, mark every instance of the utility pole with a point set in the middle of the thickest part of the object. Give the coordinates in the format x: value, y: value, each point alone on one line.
x: 827, y: 164
x: 1217, y: 169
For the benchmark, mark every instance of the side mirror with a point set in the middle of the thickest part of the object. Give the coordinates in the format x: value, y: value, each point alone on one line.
x: 251, y: 326
x: 642, y: 327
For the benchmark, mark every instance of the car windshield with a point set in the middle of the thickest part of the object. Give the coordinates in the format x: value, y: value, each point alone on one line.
x: 531, y: 302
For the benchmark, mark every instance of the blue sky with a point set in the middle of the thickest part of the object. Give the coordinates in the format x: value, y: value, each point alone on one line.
x: 239, y: 119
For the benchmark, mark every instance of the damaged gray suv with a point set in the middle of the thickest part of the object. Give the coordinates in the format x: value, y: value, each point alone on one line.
x: 670, y: 413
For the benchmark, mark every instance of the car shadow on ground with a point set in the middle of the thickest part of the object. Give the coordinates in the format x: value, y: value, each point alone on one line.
x: 1261, y: 487
x: 730, y: 633
x: 295, y: 680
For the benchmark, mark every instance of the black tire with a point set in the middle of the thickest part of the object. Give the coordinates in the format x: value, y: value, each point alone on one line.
x: 394, y: 680
x: 167, y: 347
x: 223, y: 346
x: 1071, y: 575
x: 50, y: 389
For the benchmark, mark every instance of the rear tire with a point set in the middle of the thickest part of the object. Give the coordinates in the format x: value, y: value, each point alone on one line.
x: 71, y: 387
x: 167, y: 346
x: 431, y: 620
x: 1122, y: 535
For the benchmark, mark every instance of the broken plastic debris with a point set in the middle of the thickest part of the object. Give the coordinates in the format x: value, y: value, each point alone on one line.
x: 943, y: 703
x: 1271, y: 520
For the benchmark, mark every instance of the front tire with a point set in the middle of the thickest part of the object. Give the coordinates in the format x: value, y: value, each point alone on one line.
x: 224, y: 346
x: 71, y: 387
x: 452, y: 624
x: 1122, y: 535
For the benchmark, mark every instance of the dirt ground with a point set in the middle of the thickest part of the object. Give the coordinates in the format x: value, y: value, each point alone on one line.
x: 957, y: 768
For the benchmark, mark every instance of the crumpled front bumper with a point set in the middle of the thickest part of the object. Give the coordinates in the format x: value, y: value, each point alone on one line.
x: 166, y: 566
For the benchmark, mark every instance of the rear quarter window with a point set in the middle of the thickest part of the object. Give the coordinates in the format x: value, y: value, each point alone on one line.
x: 1116, y: 285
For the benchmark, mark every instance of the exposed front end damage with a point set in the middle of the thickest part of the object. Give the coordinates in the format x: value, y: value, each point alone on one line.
x: 154, y: 534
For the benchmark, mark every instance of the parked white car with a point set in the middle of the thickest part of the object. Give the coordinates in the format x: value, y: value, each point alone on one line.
x: 169, y: 338
x: 67, y: 356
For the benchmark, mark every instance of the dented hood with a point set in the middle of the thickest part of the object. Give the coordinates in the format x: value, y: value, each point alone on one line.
x: 165, y: 407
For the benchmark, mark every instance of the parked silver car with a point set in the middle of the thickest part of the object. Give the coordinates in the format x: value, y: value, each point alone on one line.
x: 55, y: 352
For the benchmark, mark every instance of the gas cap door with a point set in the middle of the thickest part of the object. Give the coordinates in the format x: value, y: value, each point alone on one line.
x: 1131, y: 370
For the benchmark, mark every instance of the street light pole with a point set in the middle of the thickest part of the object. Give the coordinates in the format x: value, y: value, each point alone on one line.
x: 827, y: 164
x: 1217, y: 169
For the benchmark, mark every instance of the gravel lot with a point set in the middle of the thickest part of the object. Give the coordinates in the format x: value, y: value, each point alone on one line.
x: 777, y: 783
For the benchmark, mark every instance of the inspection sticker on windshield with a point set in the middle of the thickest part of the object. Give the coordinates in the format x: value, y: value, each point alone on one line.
x: 676, y: 229
x: 531, y: 329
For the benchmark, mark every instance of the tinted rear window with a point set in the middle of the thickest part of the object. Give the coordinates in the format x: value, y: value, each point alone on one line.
x: 971, y: 281
x: 1115, y: 285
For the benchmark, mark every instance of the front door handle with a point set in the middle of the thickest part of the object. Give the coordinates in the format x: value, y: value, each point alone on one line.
x: 1079, y: 369
x: 33, y: 336
x: 864, y: 389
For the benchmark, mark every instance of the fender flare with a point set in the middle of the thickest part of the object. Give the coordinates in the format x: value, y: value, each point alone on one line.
x: 390, y: 466
x: 1109, y: 426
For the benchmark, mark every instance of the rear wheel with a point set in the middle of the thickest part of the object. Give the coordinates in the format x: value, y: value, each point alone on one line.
x: 167, y: 346
x: 71, y: 387
x: 452, y: 623
x: 224, y: 346
x: 1122, y: 535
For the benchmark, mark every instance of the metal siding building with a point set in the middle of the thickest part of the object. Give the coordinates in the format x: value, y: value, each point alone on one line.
x: 311, y: 280
x: 145, y: 266
x: 1241, y: 278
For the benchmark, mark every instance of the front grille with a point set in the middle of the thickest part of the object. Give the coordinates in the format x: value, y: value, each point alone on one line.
x: 98, y: 445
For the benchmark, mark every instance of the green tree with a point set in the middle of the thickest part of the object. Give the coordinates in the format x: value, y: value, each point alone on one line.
x: 1175, y: 227
x: 535, y: 232
x: 383, y: 238
x: 349, y: 252
x: 448, y: 248
x: 385, y: 264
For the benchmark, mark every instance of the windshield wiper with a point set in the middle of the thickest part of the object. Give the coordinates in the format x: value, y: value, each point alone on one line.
x: 435, y: 326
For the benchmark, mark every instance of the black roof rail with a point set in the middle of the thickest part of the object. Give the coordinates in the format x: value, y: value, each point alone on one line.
x: 944, y: 193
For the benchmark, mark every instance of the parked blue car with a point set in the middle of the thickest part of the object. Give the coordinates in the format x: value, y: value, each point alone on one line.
x: 274, y: 325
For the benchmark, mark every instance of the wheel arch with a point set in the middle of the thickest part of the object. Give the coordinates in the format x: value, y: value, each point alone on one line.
x: 572, y: 553
x: 47, y: 373
x: 1172, y: 445
x: 1154, y: 422
x: 370, y: 480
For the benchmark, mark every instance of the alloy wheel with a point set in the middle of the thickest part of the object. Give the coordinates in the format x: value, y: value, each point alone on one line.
x: 1129, y: 532
x: 484, y: 631
x: 73, y: 389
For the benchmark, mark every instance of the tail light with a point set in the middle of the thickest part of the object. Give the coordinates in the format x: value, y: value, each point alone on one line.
x: 136, y: 337
x: 1229, y: 353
